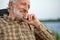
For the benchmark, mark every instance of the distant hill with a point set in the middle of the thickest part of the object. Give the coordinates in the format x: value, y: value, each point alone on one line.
x: 51, y: 20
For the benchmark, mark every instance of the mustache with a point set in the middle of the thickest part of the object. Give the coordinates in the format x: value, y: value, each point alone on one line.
x: 24, y: 10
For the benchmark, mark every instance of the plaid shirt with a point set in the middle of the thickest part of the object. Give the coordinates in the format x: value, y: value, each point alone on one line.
x: 12, y: 30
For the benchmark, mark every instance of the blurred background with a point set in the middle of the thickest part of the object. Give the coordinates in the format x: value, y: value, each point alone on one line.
x: 47, y: 11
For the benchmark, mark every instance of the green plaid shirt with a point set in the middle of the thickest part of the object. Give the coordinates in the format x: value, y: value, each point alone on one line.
x: 12, y: 30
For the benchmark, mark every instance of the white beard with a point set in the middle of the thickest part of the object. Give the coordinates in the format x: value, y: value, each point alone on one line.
x: 17, y: 14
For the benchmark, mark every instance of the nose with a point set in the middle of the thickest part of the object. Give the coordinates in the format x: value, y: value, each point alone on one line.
x: 26, y: 7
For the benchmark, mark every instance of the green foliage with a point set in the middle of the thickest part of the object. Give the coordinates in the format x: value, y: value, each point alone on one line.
x: 57, y: 36
x: 51, y: 20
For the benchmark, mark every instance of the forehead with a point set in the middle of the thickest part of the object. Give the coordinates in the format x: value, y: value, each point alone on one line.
x: 27, y: 1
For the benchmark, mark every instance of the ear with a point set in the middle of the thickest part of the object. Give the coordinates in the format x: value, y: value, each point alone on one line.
x: 11, y: 5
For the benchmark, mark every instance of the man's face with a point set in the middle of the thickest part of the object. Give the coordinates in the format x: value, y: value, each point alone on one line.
x: 23, y: 6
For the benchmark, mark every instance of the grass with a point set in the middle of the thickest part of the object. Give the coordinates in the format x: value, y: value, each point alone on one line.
x: 57, y: 36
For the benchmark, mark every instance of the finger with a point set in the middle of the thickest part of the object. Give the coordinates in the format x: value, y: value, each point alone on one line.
x: 32, y: 16
x: 25, y: 17
x: 29, y: 17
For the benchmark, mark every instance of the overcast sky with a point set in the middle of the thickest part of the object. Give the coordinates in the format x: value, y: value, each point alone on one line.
x: 43, y: 9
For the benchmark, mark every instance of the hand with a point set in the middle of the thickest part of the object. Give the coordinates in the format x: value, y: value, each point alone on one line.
x: 31, y: 19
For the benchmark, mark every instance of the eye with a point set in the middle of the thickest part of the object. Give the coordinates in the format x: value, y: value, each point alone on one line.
x: 23, y: 3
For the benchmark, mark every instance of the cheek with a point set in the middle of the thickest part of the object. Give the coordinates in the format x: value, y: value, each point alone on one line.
x: 20, y: 6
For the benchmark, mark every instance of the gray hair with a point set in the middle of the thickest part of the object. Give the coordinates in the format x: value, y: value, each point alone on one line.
x: 13, y: 1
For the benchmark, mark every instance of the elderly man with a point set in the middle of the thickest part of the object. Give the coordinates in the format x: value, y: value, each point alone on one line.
x: 20, y: 25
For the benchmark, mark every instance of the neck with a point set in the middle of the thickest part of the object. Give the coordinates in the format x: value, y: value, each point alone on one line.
x: 11, y: 14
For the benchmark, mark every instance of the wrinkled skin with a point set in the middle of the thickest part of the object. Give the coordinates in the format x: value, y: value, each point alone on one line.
x: 20, y: 10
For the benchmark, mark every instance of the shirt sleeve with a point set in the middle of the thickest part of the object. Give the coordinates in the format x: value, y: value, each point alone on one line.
x: 41, y: 32
x: 0, y: 29
x: 0, y: 32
